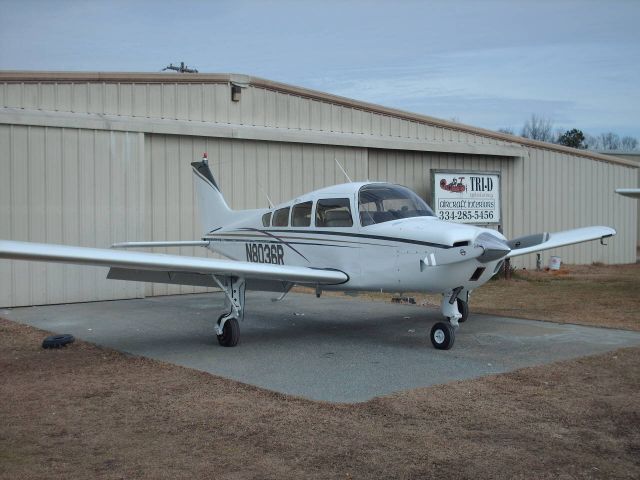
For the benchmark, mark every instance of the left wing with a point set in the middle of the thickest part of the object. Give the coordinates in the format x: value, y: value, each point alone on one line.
x: 545, y: 241
x: 169, y: 264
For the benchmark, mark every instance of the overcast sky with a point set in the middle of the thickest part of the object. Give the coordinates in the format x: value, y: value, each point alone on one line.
x: 485, y: 63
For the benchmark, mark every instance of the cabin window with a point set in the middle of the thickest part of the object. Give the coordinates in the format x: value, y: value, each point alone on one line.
x: 301, y: 215
x: 281, y: 217
x: 266, y: 219
x: 379, y: 203
x: 333, y: 212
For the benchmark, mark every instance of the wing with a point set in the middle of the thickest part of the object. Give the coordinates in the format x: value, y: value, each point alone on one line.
x: 182, y: 266
x: 545, y: 241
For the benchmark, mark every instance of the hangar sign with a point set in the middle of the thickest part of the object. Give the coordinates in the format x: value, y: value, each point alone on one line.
x: 466, y: 197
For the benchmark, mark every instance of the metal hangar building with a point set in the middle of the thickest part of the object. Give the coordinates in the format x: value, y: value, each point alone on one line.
x: 92, y: 159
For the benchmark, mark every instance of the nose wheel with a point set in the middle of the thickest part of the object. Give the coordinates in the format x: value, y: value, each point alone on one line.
x: 454, y: 309
x: 443, y: 335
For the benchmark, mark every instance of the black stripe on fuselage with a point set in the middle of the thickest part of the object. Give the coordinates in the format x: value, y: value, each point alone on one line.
x: 354, y: 235
x: 275, y: 242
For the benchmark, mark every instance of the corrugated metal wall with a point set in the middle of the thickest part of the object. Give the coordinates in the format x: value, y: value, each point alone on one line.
x: 562, y: 191
x: 211, y: 102
x: 68, y: 186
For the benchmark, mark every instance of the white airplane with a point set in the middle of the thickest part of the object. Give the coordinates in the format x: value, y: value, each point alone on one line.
x: 629, y: 192
x: 359, y: 236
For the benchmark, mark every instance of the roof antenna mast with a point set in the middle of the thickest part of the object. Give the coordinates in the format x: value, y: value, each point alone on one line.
x: 343, y: 170
x: 182, y: 68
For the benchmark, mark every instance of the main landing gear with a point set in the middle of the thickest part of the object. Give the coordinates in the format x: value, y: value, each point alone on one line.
x: 443, y: 334
x: 228, y: 327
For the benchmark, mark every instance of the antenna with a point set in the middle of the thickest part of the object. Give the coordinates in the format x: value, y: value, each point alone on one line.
x: 343, y: 170
x: 182, y: 68
x: 266, y: 195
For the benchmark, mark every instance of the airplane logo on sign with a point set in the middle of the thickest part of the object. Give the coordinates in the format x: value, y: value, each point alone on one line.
x: 455, y: 185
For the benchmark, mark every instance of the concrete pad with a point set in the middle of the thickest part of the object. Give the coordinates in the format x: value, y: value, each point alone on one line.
x: 335, y: 349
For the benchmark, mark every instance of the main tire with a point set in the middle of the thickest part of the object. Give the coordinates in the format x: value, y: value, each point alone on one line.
x: 463, y: 308
x: 443, y: 336
x: 230, y: 333
x: 57, y: 341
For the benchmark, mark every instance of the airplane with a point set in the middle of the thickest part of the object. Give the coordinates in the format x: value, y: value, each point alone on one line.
x: 629, y: 192
x: 357, y: 236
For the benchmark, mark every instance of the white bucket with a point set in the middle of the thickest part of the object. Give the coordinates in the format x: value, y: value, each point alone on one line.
x: 554, y: 263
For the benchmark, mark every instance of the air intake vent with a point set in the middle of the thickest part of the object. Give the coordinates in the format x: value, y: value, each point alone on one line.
x: 461, y: 244
x: 476, y: 275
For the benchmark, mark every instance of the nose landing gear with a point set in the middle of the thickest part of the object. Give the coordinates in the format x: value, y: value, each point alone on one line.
x: 443, y: 334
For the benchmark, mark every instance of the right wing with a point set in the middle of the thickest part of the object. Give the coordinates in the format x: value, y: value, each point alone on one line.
x: 545, y: 241
x: 168, y: 264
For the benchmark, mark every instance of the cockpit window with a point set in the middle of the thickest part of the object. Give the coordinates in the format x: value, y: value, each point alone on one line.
x: 266, y: 219
x: 383, y: 203
x: 280, y: 217
x: 301, y: 215
x: 333, y: 212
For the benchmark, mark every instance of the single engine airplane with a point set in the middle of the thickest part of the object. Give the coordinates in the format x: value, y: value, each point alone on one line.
x: 629, y: 192
x: 358, y: 236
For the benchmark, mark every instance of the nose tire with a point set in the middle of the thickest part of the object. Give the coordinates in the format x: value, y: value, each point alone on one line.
x: 442, y: 336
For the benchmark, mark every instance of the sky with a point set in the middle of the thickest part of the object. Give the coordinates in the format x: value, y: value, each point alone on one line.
x: 489, y: 64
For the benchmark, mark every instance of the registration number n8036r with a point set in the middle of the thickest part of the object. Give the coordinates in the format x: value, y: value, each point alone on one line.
x: 265, y: 253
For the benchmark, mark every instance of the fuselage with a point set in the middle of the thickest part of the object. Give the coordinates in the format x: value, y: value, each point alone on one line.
x: 334, y: 228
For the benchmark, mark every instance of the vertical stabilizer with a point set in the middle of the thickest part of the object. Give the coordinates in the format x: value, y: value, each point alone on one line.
x: 212, y: 208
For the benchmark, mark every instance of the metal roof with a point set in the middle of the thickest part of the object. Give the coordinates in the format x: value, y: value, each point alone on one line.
x: 246, y: 80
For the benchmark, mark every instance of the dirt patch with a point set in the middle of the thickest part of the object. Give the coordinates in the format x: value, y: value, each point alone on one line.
x: 595, y: 295
x: 84, y: 411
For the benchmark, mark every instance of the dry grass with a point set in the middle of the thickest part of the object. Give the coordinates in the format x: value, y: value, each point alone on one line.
x: 89, y: 412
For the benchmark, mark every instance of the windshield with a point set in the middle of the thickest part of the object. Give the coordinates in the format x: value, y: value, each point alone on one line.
x: 383, y: 203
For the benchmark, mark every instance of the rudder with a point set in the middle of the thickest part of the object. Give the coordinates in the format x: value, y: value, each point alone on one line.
x: 213, y: 210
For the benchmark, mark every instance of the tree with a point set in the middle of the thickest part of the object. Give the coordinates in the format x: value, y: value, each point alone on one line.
x: 573, y: 138
x: 628, y: 143
x: 507, y: 130
x: 538, y: 128
x: 609, y: 141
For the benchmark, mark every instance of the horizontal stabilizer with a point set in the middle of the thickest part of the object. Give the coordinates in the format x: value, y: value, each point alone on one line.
x: 545, y: 241
x: 46, y: 252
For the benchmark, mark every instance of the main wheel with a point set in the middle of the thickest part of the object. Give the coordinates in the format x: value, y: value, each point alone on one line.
x: 442, y: 336
x: 463, y: 308
x: 230, y: 333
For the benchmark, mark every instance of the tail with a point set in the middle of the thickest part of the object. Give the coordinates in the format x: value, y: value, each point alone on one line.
x: 212, y: 208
